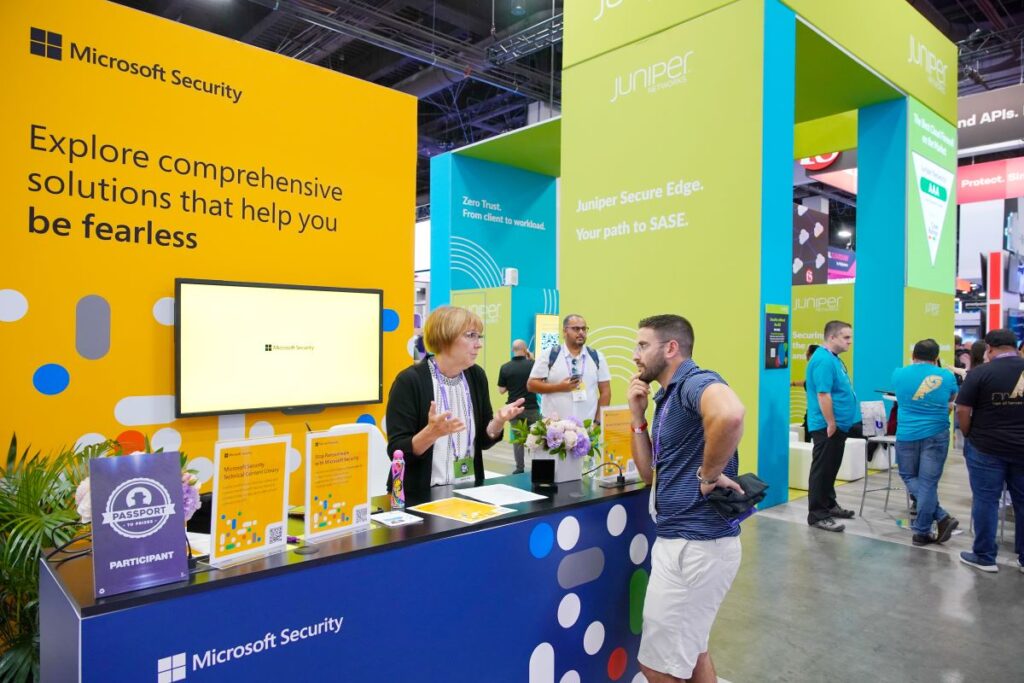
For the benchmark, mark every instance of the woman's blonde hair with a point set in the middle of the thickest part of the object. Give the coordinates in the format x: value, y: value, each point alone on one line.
x: 445, y: 324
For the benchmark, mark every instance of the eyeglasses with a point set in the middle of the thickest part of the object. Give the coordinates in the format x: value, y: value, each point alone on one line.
x: 577, y: 328
x: 473, y: 336
x: 643, y: 346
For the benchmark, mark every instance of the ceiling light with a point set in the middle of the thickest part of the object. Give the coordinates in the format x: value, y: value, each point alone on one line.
x: 518, y: 8
x: 844, y: 233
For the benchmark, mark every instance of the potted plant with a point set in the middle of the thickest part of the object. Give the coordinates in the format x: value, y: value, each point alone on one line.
x: 37, y: 510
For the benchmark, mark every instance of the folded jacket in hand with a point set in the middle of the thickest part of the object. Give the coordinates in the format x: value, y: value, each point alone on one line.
x: 732, y: 504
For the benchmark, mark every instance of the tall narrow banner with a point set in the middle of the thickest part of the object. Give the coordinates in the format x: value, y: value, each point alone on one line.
x: 931, y: 203
x: 337, y: 483
x: 776, y: 337
x: 250, y: 499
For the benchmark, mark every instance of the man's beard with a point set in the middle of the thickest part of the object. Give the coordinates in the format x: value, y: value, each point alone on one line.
x: 652, y: 370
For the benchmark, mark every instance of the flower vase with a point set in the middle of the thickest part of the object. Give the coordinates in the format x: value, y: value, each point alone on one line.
x: 569, y: 469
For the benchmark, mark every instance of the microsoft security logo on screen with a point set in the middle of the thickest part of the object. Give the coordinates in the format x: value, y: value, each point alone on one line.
x: 46, y: 43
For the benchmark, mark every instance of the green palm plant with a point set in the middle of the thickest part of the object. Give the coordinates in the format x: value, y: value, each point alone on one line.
x: 37, y: 510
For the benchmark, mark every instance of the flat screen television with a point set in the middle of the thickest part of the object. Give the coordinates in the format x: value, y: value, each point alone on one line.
x: 245, y: 347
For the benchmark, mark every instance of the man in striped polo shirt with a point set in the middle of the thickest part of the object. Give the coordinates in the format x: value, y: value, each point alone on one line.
x: 690, y: 450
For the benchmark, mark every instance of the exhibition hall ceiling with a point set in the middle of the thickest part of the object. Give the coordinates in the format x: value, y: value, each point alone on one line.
x: 478, y: 66
x: 475, y: 65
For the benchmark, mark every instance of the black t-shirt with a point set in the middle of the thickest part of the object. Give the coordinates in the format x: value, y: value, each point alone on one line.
x: 995, y: 391
x: 513, y: 376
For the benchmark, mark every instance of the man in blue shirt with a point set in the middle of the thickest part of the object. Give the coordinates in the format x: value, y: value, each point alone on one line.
x: 832, y: 411
x: 924, y: 398
x: 691, y: 451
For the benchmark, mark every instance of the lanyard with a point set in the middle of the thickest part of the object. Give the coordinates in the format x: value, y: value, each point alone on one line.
x: 1008, y: 354
x: 583, y: 362
x: 658, y: 427
x: 452, y: 441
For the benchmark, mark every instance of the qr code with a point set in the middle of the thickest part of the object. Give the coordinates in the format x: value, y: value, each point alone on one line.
x: 275, y: 534
x: 361, y: 517
x: 548, y: 340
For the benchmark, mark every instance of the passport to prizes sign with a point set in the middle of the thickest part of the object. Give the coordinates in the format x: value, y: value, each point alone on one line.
x: 138, y: 526
x: 250, y: 498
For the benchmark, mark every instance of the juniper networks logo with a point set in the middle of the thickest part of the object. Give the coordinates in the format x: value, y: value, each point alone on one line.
x: 45, y: 43
x: 933, y: 67
x: 48, y: 44
x: 653, y: 77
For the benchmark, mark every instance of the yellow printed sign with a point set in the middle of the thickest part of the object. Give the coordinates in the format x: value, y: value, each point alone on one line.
x: 337, y: 483
x: 617, y: 438
x: 462, y: 510
x: 250, y: 498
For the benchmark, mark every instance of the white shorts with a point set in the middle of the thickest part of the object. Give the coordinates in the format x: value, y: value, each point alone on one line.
x: 689, y: 580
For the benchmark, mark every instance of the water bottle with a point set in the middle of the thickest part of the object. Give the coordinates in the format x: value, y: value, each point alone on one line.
x: 398, y: 481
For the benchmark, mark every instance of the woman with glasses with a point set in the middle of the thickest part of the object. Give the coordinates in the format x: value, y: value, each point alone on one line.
x: 439, y: 409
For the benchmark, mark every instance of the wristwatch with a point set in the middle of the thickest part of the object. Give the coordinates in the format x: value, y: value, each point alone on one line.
x: 639, y: 430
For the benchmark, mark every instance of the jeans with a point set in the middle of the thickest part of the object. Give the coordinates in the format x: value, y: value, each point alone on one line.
x: 518, y: 450
x: 921, y: 464
x: 988, y: 474
x: 826, y: 459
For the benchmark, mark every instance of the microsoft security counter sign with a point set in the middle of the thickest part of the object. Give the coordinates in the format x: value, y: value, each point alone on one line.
x: 138, y: 528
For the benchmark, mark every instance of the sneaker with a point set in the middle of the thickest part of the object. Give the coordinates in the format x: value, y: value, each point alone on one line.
x: 974, y: 561
x: 828, y: 524
x: 842, y: 513
x: 924, y: 539
x: 946, y: 526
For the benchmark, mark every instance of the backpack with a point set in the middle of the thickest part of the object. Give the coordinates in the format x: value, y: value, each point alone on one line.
x: 557, y: 348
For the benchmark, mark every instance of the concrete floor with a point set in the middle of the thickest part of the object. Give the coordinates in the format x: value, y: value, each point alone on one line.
x: 820, y: 607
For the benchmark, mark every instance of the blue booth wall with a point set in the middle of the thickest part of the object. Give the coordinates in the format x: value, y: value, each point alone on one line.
x: 486, y: 217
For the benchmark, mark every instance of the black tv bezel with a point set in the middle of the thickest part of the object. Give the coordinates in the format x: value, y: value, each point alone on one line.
x: 178, y: 282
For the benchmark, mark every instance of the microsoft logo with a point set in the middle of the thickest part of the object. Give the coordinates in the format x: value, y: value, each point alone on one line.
x: 268, y: 347
x: 171, y: 669
x: 45, y: 43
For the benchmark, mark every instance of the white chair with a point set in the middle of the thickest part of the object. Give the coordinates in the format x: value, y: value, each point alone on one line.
x: 800, y: 456
x: 380, y: 463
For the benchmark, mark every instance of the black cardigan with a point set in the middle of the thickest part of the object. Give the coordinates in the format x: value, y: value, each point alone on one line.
x: 408, y: 407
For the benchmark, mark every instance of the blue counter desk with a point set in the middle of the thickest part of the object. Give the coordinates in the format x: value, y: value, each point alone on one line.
x: 549, y: 594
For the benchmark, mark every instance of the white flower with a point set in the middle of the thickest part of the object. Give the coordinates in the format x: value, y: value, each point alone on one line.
x: 570, y: 438
x: 533, y: 442
x: 83, y: 501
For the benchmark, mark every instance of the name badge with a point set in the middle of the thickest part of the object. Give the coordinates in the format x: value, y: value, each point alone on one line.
x: 463, y: 470
x: 580, y: 393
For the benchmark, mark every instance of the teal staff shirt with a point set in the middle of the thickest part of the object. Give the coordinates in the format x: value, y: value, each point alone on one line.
x: 826, y: 374
x: 923, y: 394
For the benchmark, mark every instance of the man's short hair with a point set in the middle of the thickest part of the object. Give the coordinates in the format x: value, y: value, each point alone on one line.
x: 833, y: 327
x: 445, y: 324
x: 926, y: 349
x: 1001, y: 337
x: 670, y: 326
x: 566, y: 319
